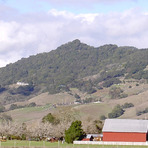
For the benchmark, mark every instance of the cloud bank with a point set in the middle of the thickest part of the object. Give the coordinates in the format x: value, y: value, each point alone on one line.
x: 28, y: 34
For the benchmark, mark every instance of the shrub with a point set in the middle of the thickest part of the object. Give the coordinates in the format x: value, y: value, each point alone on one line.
x: 32, y: 104
x: 127, y: 105
x: 115, y: 92
x: 116, y: 112
x: 50, y: 118
x: 103, y: 117
x: 142, y: 112
x: 111, y: 81
x: 77, y: 96
x: 123, y: 95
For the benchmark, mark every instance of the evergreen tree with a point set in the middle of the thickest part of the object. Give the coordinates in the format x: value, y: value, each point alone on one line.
x: 75, y: 132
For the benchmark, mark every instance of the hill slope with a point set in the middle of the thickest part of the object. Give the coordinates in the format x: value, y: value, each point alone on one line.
x: 73, y: 61
x: 77, y: 73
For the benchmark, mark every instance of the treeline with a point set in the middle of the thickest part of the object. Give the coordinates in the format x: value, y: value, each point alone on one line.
x: 69, y: 130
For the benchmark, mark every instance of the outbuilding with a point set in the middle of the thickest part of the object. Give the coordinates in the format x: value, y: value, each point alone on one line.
x: 125, y: 130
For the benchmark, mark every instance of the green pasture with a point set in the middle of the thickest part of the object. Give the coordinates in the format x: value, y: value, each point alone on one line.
x: 16, y: 143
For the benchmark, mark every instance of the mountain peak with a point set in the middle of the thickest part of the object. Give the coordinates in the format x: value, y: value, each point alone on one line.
x: 74, y: 45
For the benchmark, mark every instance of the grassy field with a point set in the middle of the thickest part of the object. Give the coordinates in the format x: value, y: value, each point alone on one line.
x: 17, y: 143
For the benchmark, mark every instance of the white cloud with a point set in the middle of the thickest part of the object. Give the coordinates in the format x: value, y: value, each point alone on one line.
x: 35, y: 33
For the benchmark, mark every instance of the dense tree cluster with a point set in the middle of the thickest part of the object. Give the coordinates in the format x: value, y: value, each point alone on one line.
x: 73, y: 61
x: 116, y: 112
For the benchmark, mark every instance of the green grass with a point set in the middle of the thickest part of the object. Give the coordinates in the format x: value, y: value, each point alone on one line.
x: 17, y: 143
x: 32, y: 109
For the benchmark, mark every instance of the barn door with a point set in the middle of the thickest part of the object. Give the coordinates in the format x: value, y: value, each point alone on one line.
x: 146, y: 136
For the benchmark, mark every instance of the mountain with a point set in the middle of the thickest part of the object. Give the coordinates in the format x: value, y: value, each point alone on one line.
x: 73, y: 61
x: 71, y: 65
x: 77, y: 72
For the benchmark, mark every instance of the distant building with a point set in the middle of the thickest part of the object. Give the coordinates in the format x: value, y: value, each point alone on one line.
x: 125, y: 130
x: 93, y: 137
x: 22, y: 84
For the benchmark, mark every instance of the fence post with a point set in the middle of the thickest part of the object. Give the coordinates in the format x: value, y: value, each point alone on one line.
x: 14, y: 143
x: 58, y: 144
x: 43, y: 143
x: 29, y: 143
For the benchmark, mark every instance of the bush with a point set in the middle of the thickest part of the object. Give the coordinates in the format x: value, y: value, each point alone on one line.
x: 13, y: 106
x: 2, y: 108
x: 50, y: 118
x: 89, y: 100
x: 142, y: 112
x: 25, y: 90
x: 115, y: 92
x: 75, y: 132
x: 77, y: 96
x: 103, y: 117
x: 123, y: 95
x: 127, y: 105
x: 32, y: 104
x: 111, y: 81
x: 116, y: 112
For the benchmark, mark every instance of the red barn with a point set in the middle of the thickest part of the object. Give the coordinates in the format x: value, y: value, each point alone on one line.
x: 125, y: 130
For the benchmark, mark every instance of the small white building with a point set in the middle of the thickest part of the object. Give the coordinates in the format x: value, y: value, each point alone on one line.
x: 22, y: 83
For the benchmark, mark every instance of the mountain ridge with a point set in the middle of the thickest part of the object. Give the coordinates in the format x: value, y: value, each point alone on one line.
x: 75, y: 60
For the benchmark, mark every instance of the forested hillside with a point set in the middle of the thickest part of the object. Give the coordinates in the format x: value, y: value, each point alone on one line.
x: 68, y: 64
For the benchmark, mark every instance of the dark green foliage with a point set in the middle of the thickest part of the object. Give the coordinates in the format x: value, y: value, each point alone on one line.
x: 123, y: 95
x: 73, y: 61
x: 85, y: 86
x: 75, y: 132
x: 111, y: 81
x: 2, y: 108
x: 116, y: 112
x: 32, y: 104
x: 89, y: 100
x: 13, y: 106
x: 142, y: 112
x: 99, y: 125
x: 116, y: 92
x: 103, y: 117
x: 2, y: 89
x: 127, y: 105
x: 23, y: 90
x: 50, y: 118
x: 105, y: 75
x: 77, y: 96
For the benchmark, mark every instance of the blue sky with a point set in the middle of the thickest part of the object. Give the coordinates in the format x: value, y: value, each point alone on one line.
x: 28, y: 27
x: 100, y: 6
